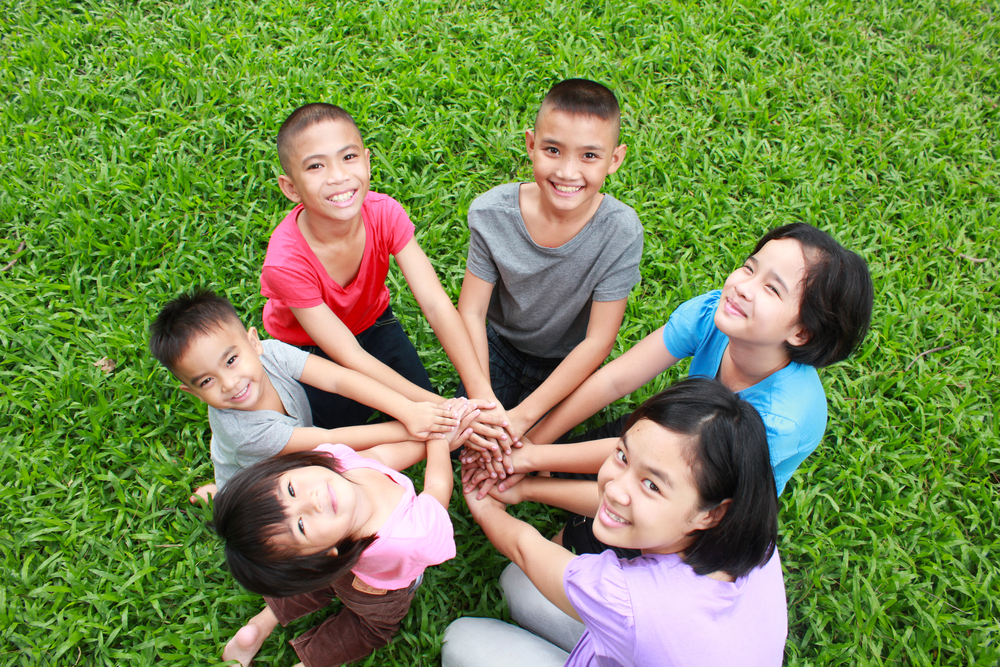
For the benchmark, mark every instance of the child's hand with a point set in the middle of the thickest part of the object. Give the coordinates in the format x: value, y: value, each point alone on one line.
x: 466, y: 413
x: 478, y: 506
x: 423, y: 419
x: 494, y: 424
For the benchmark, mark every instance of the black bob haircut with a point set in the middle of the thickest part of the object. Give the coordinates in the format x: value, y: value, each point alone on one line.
x: 585, y: 98
x: 303, y: 118
x: 183, y: 319
x: 837, y: 296
x: 248, y: 514
x: 729, y: 459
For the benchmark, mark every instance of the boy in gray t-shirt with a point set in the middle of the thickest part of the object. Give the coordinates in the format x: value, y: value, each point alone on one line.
x: 256, y: 405
x: 551, y: 263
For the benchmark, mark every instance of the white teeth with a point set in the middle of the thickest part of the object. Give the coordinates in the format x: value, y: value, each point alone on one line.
x: 567, y: 188
x: 614, y: 516
x: 242, y: 393
x: 342, y: 197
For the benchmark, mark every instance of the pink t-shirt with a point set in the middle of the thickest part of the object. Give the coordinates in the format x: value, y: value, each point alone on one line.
x: 416, y: 535
x: 294, y: 277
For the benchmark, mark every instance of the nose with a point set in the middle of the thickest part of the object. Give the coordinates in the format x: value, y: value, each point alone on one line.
x: 335, y: 174
x: 227, y: 381
x: 615, y: 490
x: 744, y: 289
x: 567, y: 168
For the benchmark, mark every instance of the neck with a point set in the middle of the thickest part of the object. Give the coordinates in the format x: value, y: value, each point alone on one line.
x: 745, y: 365
x: 325, y: 230
x: 271, y: 400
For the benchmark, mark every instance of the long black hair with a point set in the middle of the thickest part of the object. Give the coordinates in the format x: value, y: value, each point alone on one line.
x: 248, y: 514
x: 729, y: 460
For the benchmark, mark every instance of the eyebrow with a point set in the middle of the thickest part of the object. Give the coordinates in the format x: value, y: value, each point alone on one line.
x: 655, y: 472
x: 591, y: 147
x: 349, y: 147
x: 228, y: 351
x: 771, y: 273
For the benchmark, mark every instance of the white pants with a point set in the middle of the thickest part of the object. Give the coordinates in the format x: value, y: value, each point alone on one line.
x: 487, y: 642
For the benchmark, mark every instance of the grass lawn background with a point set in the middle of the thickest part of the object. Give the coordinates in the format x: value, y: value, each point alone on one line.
x: 137, y: 160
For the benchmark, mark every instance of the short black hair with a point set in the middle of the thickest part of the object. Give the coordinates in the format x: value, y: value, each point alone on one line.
x: 729, y: 459
x: 583, y: 97
x: 837, y: 296
x: 303, y: 118
x: 248, y: 514
x: 193, y: 314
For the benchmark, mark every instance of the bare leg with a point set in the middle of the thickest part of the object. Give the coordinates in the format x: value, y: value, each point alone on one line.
x: 201, y: 493
x: 248, y: 639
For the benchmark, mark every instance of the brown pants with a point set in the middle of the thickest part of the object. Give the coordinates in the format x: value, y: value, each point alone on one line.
x: 366, y: 622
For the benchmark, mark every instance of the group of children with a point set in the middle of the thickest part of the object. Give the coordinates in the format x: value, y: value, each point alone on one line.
x: 309, y: 499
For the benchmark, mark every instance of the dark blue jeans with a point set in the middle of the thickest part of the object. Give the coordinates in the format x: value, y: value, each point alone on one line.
x: 513, y: 374
x: 386, y: 341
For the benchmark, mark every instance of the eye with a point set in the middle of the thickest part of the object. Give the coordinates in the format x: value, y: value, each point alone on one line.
x: 315, y: 165
x: 231, y: 361
x: 590, y: 156
x: 291, y: 491
x: 552, y: 150
x: 620, y: 457
x: 204, y: 383
x: 649, y: 485
x: 302, y: 527
x: 772, y: 288
x: 350, y: 156
x: 748, y: 268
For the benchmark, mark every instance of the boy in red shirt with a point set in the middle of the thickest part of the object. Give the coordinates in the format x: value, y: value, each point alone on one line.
x: 326, y: 265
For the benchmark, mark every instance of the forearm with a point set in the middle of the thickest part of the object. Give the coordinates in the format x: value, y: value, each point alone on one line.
x: 580, y: 457
x: 439, y: 478
x: 573, y: 495
x: 375, y: 394
x: 567, y: 376
x: 450, y: 330
x: 475, y: 325
x: 373, y: 369
x: 358, y: 438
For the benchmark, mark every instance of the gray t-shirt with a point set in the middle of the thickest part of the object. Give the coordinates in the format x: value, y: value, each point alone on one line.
x: 240, y: 438
x: 541, y: 296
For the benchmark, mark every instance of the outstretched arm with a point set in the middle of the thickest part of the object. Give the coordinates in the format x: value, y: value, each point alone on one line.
x: 333, y: 336
x: 420, y: 418
x: 542, y: 560
x: 358, y: 438
x: 602, y: 329
x: 644, y: 361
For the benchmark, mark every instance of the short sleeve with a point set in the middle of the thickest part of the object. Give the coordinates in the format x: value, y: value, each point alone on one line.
x: 596, y: 587
x: 623, y: 274
x: 290, y: 359
x: 293, y: 287
x: 480, y: 262
x: 687, y: 324
x: 387, y: 219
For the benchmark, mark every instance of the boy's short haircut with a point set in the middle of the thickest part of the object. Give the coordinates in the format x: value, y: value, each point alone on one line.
x: 190, y: 315
x: 583, y: 97
x: 303, y: 118
x: 837, y: 296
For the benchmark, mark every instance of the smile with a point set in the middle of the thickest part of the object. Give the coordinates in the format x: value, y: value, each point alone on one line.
x: 333, y: 498
x: 567, y: 189
x: 243, y: 393
x: 733, y: 309
x: 609, y: 518
x: 342, y: 197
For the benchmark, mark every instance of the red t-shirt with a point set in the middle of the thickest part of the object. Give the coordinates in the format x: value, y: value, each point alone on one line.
x: 293, y: 277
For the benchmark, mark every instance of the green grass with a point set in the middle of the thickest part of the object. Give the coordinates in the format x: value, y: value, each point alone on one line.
x: 137, y: 161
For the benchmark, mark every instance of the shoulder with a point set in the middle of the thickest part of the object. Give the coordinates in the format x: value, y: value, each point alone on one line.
x: 501, y: 197
x: 700, y: 309
x: 621, y: 215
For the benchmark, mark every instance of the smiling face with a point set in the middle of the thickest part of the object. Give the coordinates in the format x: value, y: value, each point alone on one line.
x: 329, y: 171
x: 571, y: 155
x: 760, y: 300
x: 320, y: 508
x: 649, y: 500
x: 223, y: 369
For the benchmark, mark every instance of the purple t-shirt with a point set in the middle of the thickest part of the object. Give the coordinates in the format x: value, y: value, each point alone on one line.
x: 655, y: 611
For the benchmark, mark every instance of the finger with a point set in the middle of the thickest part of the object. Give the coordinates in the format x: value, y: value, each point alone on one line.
x: 511, y: 481
x: 484, y: 488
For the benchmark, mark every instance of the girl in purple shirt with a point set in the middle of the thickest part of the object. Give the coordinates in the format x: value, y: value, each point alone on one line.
x: 689, y: 484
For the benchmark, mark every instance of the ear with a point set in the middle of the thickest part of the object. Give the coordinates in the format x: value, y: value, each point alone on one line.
x: 332, y: 552
x: 617, y: 157
x: 798, y: 336
x: 255, y: 341
x: 186, y: 389
x: 288, y: 188
x: 711, y: 518
x: 529, y: 140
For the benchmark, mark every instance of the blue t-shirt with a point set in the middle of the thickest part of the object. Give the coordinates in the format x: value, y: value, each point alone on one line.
x: 791, y: 402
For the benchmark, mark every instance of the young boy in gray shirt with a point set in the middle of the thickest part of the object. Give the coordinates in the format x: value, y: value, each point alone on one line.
x: 551, y: 263
x: 257, y: 406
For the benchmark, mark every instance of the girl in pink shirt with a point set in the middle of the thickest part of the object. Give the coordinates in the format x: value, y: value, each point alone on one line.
x: 303, y: 528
